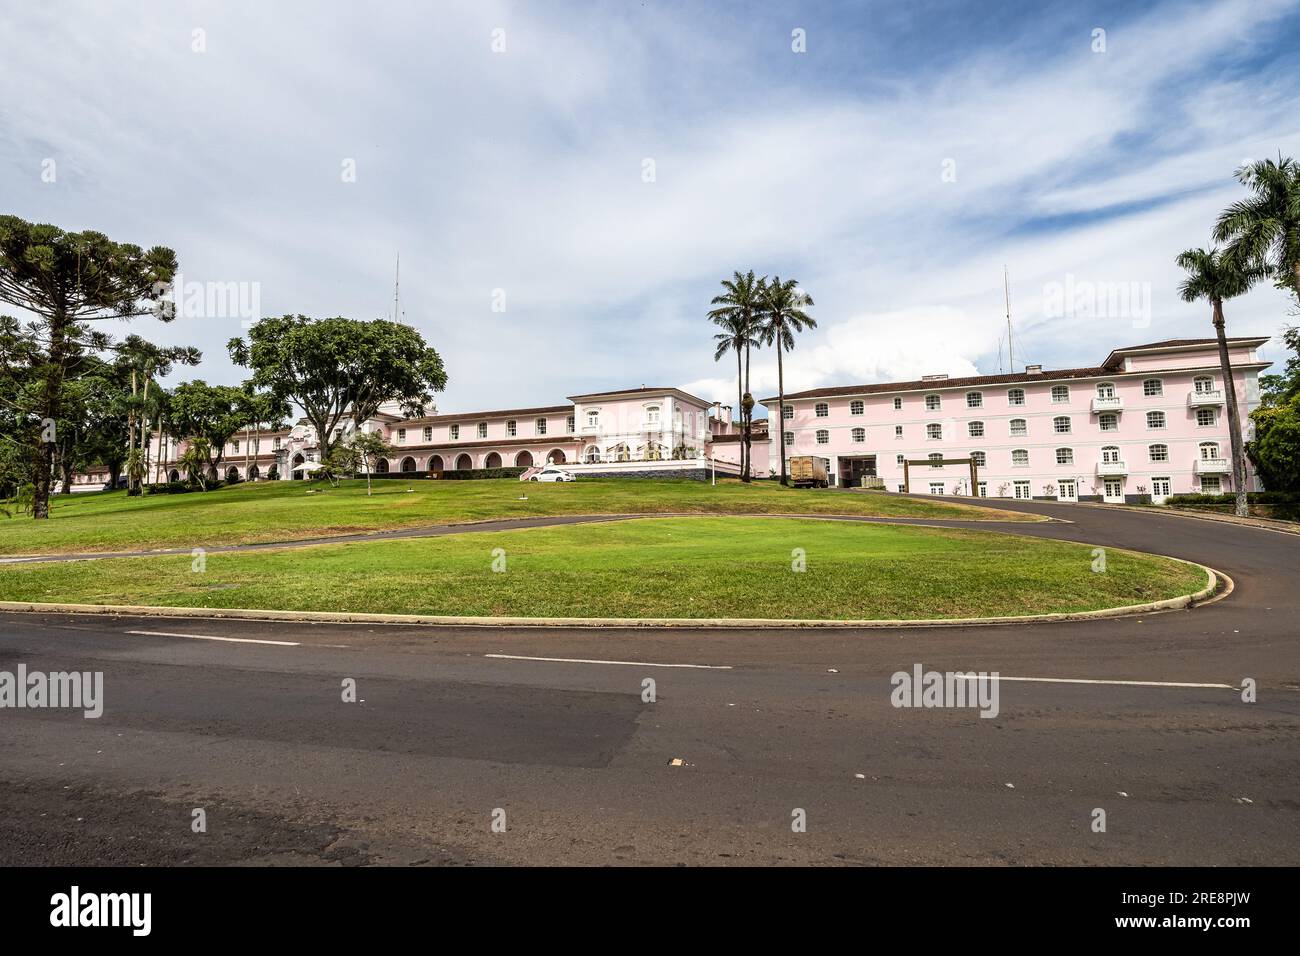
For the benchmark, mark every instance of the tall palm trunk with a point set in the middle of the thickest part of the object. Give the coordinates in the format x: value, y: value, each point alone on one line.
x: 1234, y: 420
x: 160, y: 460
x: 780, y: 414
x: 740, y: 405
x: 130, y: 428
x: 744, y: 420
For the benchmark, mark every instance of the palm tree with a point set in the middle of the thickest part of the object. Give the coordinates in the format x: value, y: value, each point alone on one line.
x: 1263, y: 232
x: 783, y: 315
x: 736, y: 339
x: 737, y: 313
x: 195, y: 461
x: 1215, y: 276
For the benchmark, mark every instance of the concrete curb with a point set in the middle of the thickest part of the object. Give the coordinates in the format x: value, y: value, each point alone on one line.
x: 343, y: 617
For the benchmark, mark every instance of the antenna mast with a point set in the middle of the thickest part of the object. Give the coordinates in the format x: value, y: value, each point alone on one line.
x: 1006, y: 285
x: 397, y: 291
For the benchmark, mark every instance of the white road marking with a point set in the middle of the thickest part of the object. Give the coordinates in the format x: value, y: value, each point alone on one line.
x: 209, y: 637
x: 1123, y: 683
x: 582, y: 660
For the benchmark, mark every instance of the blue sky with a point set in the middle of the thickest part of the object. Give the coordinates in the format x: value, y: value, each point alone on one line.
x: 522, y: 171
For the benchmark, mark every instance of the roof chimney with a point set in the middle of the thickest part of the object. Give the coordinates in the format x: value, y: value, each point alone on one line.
x: 934, y: 378
x: 1033, y: 370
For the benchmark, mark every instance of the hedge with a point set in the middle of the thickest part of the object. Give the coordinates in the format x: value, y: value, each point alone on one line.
x: 1252, y: 497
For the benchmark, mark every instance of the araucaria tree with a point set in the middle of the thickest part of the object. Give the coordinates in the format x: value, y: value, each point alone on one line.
x: 336, y: 369
x: 781, y: 318
x: 737, y: 312
x: 1215, y: 276
x: 67, y: 280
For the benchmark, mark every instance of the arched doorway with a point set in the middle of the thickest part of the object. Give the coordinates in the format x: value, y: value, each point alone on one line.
x: 174, y: 476
x: 435, y: 463
x: 381, y: 466
x: 556, y: 457
x: 232, y: 474
x: 592, y: 455
x: 254, y: 473
x: 295, y: 470
x: 524, y: 459
x: 493, y: 461
x: 408, y: 465
x: 464, y: 463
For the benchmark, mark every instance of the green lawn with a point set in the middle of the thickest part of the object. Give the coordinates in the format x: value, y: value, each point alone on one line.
x: 287, y: 510
x: 660, y: 567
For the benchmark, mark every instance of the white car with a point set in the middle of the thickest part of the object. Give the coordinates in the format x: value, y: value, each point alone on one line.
x: 552, y: 474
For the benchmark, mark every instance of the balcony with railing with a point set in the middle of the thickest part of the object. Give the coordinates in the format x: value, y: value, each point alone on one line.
x: 1213, y: 466
x: 1205, y: 397
x: 1112, y: 403
x: 1112, y: 469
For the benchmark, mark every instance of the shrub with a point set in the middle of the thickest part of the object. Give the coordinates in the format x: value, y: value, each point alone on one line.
x: 468, y: 473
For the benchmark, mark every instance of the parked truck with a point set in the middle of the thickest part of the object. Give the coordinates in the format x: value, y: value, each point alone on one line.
x: 809, y: 471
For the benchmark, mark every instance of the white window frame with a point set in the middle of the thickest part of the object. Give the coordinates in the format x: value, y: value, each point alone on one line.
x: 1153, y: 387
x: 482, y: 429
x: 933, y: 403
x: 512, y: 428
x: 1106, y: 418
x: 934, y: 432
x: 857, y: 407
x: 823, y: 436
x: 1208, y: 413
x: 1015, y: 454
x: 1057, y: 426
x: 1162, y: 456
x: 1060, y: 394
x: 975, y: 429
x: 1016, y: 397
x: 974, y: 399
x: 1022, y: 432
x: 454, y: 432
x: 1156, y: 420
x: 1065, y: 459
x: 540, y: 426
x: 821, y: 410
x: 859, y: 435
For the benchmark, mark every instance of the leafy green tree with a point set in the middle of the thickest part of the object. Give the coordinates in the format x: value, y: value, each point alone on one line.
x: 369, y: 447
x: 68, y: 280
x: 1215, y: 276
x: 1263, y: 231
x: 1275, y: 449
x: 213, y: 413
x: 782, y: 317
x: 738, y: 309
x: 338, y: 368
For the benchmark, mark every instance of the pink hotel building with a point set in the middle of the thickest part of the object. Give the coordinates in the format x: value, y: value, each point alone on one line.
x: 1150, y: 420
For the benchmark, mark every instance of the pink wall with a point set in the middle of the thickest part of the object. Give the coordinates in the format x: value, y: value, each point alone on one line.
x: 1181, y: 433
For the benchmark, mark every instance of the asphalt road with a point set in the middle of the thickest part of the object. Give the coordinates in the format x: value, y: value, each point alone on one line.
x: 766, y: 723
